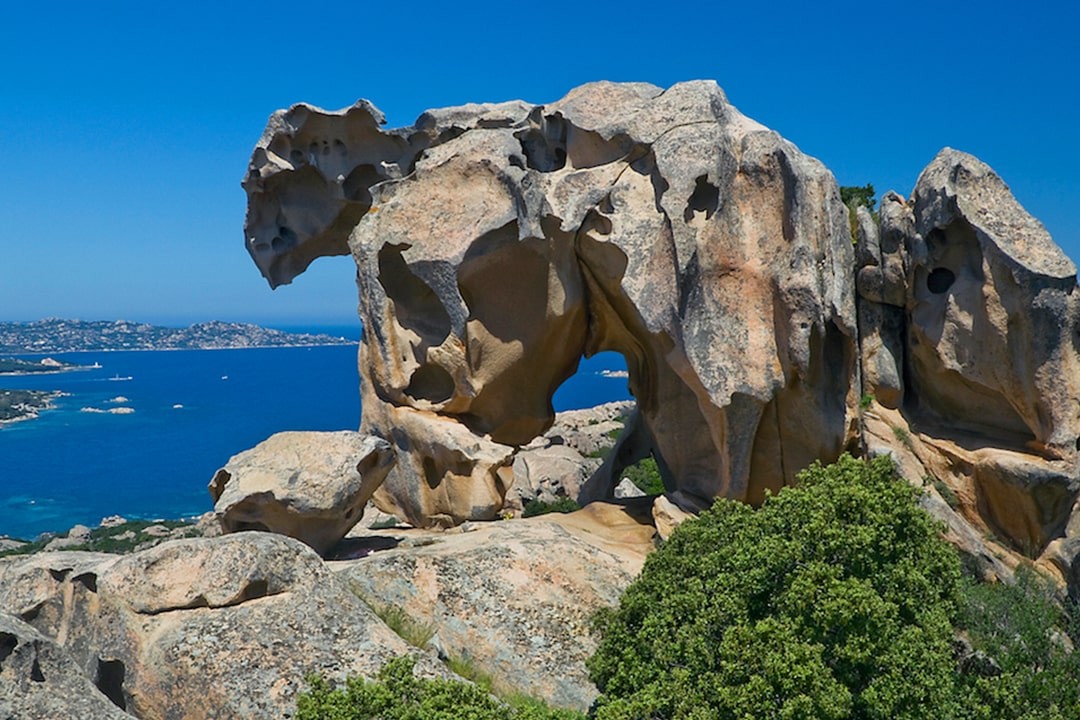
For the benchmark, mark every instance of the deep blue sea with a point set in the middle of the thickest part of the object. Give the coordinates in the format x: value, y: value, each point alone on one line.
x: 193, y: 410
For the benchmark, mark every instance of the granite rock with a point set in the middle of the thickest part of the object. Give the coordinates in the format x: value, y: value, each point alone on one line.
x: 312, y: 486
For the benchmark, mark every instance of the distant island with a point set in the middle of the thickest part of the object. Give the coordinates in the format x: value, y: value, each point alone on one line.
x: 56, y: 336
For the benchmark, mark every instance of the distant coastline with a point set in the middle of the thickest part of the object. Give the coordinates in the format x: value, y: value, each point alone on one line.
x: 71, y: 336
x: 45, y: 338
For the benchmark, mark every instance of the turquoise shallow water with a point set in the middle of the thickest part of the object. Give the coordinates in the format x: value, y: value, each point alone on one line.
x: 70, y: 466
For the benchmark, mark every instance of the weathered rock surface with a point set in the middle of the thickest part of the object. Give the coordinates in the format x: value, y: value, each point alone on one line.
x: 225, y: 627
x: 496, y: 244
x: 39, y: 681
x: 968, y: 325
x: 515, y: 597
x: 990, y: 308
x: 312, y: 486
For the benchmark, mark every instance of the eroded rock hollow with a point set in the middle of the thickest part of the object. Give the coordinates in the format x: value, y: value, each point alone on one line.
x: 498, y: 244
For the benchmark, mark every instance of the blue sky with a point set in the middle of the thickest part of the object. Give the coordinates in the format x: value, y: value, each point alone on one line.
x: 127, y: 126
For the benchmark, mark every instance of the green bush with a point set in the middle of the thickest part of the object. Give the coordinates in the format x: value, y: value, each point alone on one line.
x: 399, y: 695
x: 540, y: 507
x: 1024, y: 631
x: 833, y: 600
x: 645, y: 474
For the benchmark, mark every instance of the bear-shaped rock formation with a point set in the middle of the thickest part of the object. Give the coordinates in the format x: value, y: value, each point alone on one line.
x: 497, y: 244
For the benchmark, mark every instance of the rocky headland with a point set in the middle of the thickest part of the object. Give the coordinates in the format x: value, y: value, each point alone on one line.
x: 496, y: 245
x: 17, y: 405
x: 44, y: 366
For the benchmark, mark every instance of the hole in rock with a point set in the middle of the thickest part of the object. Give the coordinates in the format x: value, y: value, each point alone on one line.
x: 603, y: 378
x: 940, y: 280
x: 87, y: 580
x: 544, y: 144
x: 431, y: 473
x: 35, y: 672
x: 243, y: 526
x: 7, y: 645
x: 254, y: 589
x: 110, y: 681
x: 705, y: 198
x: 357, y: 185
x: 416, y: 305
x: 431, y: 383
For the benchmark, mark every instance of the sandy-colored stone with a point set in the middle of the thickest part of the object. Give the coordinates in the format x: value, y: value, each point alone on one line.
x: 225, y: 627
x: 968, y: 324
x: 667, y: 516
x: 39, y: 681
x: 991, y: 310
x: 312, y: 486
x: 515, y: 597
x: 494, y: 250
x: 497, y: 244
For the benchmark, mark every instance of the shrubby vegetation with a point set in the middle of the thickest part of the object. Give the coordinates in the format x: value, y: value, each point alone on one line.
x: 123, y: 538
x: 645, y: 474
x: 832, y: 600
x: 836, y: 599
x: 1029, y: 672
x: 542, y: 507
x: 854, y: 197
x: 398, y: 695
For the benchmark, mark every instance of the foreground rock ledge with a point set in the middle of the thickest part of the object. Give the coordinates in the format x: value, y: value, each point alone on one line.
x: 229, y: 627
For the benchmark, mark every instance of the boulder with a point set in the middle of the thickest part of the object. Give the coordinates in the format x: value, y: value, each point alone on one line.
x: 223, y: 627
x: 627, y: 489
x: 311, y: 486
x: 547, y: 473
x: 667, y: 515
x: 561, y: 462
x: 514, y: 598
x: 497, y: 244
